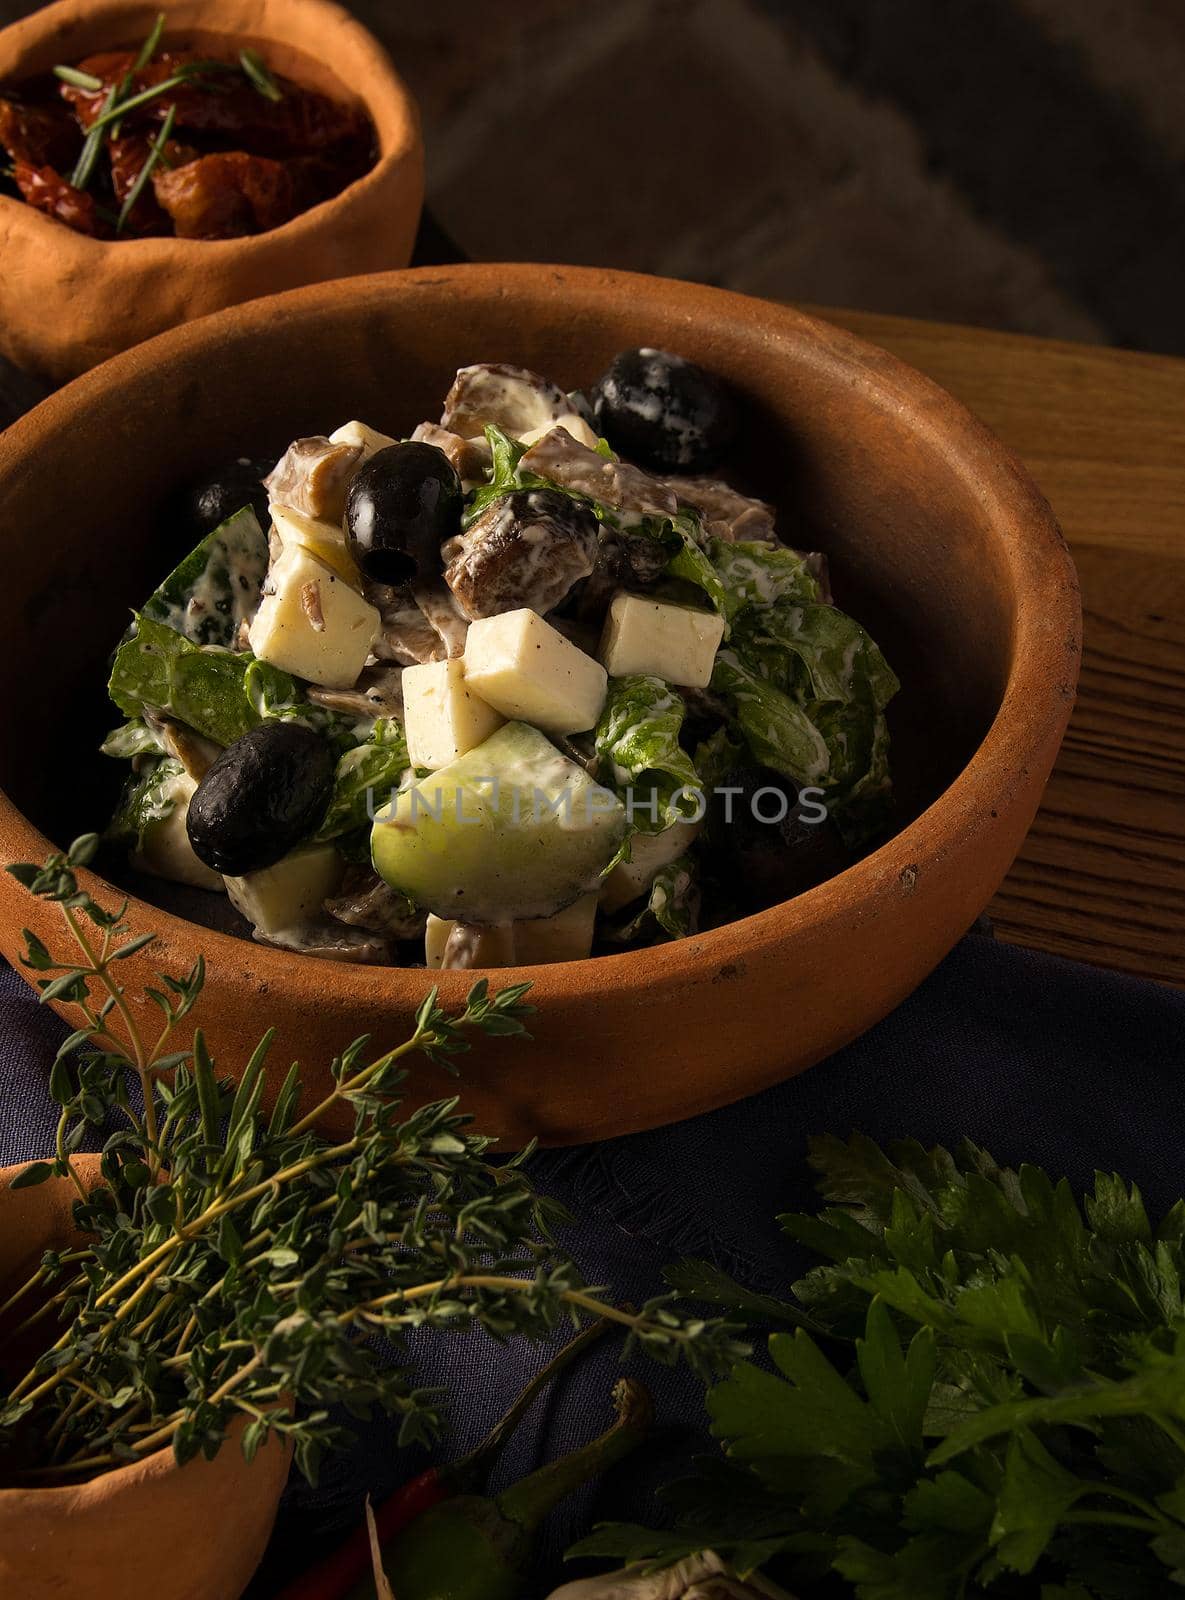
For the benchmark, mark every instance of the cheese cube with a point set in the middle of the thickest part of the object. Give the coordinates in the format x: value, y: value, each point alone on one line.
x: 675, y: 643
x: 370, y: 439
x: 567, y: 936
x: 649, y: 852
x: 527, y: 670
x: 571, y: 423
x: 325, y: 540
x: 282, y: 897
x: 165, y: 850
x: 311, y: 623
x: 442, y: 715
x: 539, y: 941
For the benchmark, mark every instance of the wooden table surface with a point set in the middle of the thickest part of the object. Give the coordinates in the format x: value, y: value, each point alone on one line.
x: 1102, y: 875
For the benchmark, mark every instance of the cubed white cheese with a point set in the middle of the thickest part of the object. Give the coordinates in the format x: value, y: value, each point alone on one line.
x: 676, y: 643
x: 443, y: 716
x: 370, y: 439
x: 165, y: 850
x: 281, y: 898
x: 571, y: 424
x: 649, y: 852
x: 312, y: 623
x: 567, y: 936
x: 325, y: 540
x: 527, y: 670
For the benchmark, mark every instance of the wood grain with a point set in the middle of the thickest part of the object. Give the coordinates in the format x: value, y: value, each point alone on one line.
x: 1102, y: 875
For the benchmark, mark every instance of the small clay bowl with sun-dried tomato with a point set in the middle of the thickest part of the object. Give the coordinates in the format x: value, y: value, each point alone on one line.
x: 158, y: 164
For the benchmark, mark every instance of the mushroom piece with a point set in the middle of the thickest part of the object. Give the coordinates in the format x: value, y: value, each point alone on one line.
x: 513, y: 399
x: 725, y: 512
x: 525, y: 549
x: 332, y: 942
x: 196, y: 754
x: 378, y: 693
x: 451, y: 625
x: 470, y: 458
x: 313, y: 476
x: 564, y: 461
x: 365, y: 901
x: 405, y: 633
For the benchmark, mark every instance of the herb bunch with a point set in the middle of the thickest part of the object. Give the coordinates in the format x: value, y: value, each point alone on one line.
x: 235, y: 1264
x: 1013, y: 1420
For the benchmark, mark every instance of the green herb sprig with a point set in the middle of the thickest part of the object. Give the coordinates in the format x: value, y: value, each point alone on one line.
x: 1003, y: 1413
x: 119, y: 102
x: 235, y: 1262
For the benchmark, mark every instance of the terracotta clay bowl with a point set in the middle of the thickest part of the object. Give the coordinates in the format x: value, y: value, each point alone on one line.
x: 938, y: 542
x: 68, y: 302
x: 195, y: 1532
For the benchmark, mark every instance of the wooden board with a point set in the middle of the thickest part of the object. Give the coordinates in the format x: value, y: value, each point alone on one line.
x: 1102, y: 876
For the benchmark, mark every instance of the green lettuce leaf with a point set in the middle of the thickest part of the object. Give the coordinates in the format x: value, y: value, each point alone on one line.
x: 748, y: 573
x: 217, y: 585
x: 807, y: 688
x: 369, y: 770
x: 637, y: 739
x: 130, y: 739
x: 159, y: 669
x: 671, y: 908
x: 148, y: 796
x: 218, y: 693
x: 836, y: 658
x: 776, y: 728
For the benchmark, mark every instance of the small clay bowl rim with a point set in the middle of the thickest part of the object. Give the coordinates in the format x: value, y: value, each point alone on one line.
x: 156, y: 1465
x: 1046, y: 623
x: 27, y: 46
x: 159, y: 1464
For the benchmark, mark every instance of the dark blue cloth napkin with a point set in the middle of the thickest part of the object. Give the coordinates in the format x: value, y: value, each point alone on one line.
x: 1036, y: 1058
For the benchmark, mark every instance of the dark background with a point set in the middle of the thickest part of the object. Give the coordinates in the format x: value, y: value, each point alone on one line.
x: 1014, y: 163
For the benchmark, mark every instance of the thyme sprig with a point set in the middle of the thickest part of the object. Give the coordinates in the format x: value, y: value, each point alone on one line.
x: 236, y: 1262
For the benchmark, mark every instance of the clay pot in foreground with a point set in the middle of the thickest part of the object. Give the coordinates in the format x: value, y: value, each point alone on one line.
x: 938, y: 542
x: 150, y: 1529
x: 68, y: 302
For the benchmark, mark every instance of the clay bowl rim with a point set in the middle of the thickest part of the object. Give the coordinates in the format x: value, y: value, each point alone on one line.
x: 1046, y: 631
x: 388, y: 101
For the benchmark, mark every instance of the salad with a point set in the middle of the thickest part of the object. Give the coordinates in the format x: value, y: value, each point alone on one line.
x: 533, y: 683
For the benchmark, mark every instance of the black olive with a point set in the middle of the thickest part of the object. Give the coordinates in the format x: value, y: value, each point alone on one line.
x: 263, y: 795
x: 663, y: 412
x: 207, y: 503
x: 402, y: 505
x: 769, y: 844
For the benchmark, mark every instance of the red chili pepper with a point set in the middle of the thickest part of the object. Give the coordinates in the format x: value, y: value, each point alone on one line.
x: 349, y: 1565
x: 342, y: 1569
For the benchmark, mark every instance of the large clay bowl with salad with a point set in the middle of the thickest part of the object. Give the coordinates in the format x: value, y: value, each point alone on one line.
x: 267, y: 144
x: 790, y: 630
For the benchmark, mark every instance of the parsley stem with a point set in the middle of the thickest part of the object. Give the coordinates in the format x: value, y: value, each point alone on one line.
x: 1116, y: 1519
